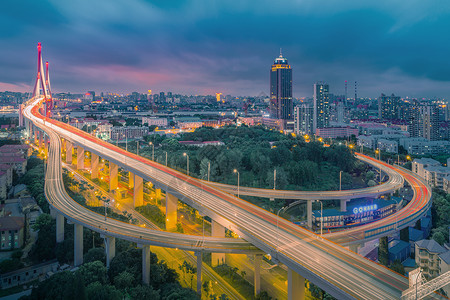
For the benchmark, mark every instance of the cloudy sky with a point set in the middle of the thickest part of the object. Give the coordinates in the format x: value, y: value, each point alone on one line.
x: 208, y: 46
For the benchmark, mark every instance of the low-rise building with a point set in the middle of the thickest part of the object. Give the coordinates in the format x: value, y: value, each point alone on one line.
x: 432, y: 171
x: 19, y: 163
x: 23, y: 150
x: 128, y: 132
x: 335, y: 132
x: 398, y: 250
x: 421, y: 146
x: 11, y: 232
x: 419, y: 165
x: 9, y: 170
x: 446, y: 184
x: 22, y: 276
x: 427, y: 257
x: 435, y: 176
x: 387, y: 146
x: 202, y: 144
x: 154, y: 121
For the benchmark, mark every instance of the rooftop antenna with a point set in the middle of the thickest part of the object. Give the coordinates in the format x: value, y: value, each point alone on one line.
x: 281, y: 54
x: 356, y: 94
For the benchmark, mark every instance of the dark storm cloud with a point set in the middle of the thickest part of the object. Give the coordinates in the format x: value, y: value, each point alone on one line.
x: 193, y: 46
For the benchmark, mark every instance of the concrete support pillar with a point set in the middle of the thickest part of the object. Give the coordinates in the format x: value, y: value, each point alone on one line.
x: 217, y: 230
x: 138, y: 194
x: 199, y: 272
x: 171, y: 211
x: 110, y: 249
x: 41, y: 140
x: 146, y: 264
x: 344, y: 204
x: 78, y: 245
x: 36, y: 136
x: 46, y: 140
x: 59, y: 228
x: 257, y: 275
x: 80, y: 158
x: 309, y: 213
x: 69, y: 148
x: 113, y: 178
x: 296, y: 286
x: 94, y: 166
x: 130, y: 180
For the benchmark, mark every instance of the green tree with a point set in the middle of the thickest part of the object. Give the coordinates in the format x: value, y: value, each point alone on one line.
x: 93, y: 272
x: 397, y: 267
x: 144, y: 292
x: 124, y: 280
x: 383, y: 251
x: 99, y: 291
x: 95, y: 254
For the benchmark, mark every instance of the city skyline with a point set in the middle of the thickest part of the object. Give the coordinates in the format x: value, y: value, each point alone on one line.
x: 202, y: 48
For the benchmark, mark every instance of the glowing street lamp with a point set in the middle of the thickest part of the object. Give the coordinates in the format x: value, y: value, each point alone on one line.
x: 236, y: 171
x: 153, y: 150
x: 187, y: 162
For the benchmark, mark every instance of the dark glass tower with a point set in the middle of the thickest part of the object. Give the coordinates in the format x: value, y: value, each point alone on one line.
x: 281, y: 106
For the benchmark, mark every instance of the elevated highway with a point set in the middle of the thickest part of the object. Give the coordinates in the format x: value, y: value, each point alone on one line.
x: 340, y: 272
x: 394, y: 182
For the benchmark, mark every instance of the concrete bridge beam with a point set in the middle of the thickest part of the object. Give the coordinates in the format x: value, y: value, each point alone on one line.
x: 171, y: 211
x: 146, y: 264
x: 113, y: 176
x: 257, y: 274
x: 138, y: 194
x: 110, y: 249
x: 59, y: 228
x: 78, y: 245
x: 217, y: 230
x: 296, y: 285
x: 94, y: 165
x: 80, y: 158
x: 69, y: 148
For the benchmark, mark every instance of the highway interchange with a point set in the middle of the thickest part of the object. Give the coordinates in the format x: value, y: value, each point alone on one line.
x: 342, y: 273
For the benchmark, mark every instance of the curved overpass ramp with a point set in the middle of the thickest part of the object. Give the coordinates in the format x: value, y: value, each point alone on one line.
x: 395, y: 182
x: 340, y: 272
x: 76, y: 213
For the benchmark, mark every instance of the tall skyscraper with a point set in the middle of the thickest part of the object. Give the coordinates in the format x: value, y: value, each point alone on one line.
x: 388, y: 107
x: 281, y: 106
x: 321, y: 117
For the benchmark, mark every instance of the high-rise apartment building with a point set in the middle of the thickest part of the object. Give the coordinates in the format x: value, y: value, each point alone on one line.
x: 414, y: 119
x: 321, y: 117
x: 281, y: 106
x: 430, y: 121
x: 388, y: 107
x: 303, y: 119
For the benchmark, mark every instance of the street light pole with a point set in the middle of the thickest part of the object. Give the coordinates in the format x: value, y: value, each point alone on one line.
x: 166, y: 158
x: 321, y: 217
x: 137, y: 147
x: 417, y: 278
x: 340, y: 181
x: 236, y: 171
x: 187, y: 163
x: 153, y: 151
x: 209, y: 169
x: 274, y: 178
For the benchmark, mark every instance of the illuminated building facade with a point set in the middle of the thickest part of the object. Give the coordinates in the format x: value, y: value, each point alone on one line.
x: 321, y: 117
x: 281, y: 106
